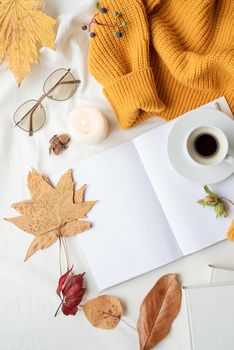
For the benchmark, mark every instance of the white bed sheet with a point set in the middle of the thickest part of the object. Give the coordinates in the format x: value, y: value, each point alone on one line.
x: 27, y: 290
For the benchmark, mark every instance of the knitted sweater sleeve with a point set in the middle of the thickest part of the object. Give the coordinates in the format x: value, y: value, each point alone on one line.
x: 119, y: 60
x: 150, y: 5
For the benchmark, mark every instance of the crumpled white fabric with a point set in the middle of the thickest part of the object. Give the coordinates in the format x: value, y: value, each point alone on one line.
x: 27, y: 290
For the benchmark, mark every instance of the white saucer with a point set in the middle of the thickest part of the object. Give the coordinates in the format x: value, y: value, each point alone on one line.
x: 176, y: 147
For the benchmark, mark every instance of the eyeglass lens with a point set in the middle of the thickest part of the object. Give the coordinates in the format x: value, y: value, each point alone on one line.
x: 64, y: 90
x: 32, y: 112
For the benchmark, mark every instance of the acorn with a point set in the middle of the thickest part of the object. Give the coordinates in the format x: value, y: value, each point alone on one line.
x: 218, y: 203
x: 210, y: 200
x: 64, y: 139
x: 58, y: 143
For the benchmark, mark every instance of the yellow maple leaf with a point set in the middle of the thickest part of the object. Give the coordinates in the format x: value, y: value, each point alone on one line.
x: 230, y: 233
x: 2, y: 48
x: 53, y: 211
x: 24, y: 29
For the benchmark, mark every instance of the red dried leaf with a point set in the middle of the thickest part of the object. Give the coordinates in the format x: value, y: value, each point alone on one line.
x: 69, y: 310
x: 73, y: 286
x: 72, y: 289
x: 75, y: 300
x: 62, y: 280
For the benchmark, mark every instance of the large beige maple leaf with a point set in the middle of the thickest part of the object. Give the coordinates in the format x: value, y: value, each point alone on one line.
x: 53, y: 211
x: 24, y: 29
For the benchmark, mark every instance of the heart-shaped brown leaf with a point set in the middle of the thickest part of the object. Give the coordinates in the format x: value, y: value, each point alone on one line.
x: 158, y: 310
x: 103, y: 312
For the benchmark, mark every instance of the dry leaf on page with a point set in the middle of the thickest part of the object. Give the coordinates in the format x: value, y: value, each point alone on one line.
x: 24, y: 30
x: 41, y: 242
x: 103, y: 312
x: 158, y: 310
x: 230, y: 233
x: 52, y: 212
x: 79, y: 194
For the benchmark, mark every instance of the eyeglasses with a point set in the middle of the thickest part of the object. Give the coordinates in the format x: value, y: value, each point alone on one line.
x: 59, y: 86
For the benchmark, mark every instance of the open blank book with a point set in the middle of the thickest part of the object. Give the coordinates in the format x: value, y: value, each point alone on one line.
x: 147, y: 214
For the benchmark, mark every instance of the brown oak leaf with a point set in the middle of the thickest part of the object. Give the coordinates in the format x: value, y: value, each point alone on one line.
x: 103, y: 312
x: 53, y: 211
x: 24, y: 30
x: 158, y: 310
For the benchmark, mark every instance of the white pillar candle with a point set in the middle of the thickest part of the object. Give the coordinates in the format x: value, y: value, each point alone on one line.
x: 87, y: 125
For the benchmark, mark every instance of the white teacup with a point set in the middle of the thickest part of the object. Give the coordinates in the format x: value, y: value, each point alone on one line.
x: 208, y: 145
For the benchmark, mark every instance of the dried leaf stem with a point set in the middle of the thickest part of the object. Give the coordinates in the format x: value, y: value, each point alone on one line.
x: 56, y: 313
x: 60, y: 263
x: 128, y: 324
x: 63, y: 246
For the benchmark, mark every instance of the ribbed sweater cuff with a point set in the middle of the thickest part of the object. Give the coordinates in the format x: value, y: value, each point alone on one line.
x: 134, y: 97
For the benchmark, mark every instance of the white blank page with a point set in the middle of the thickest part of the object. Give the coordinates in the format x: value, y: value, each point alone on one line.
x: 194, y: 227
x: 130, y: 234
x: 211, y: 310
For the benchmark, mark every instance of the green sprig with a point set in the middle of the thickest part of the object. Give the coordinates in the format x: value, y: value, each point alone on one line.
x: 213, y: 200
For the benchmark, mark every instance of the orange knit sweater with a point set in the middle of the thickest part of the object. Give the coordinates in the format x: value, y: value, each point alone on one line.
x: 173, y: 56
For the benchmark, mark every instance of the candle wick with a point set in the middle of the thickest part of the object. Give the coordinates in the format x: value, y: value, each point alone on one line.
x: 85, y: 126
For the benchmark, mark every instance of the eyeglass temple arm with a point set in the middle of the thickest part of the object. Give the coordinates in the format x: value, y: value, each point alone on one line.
x: 31, y: 124
x: 71, y: 82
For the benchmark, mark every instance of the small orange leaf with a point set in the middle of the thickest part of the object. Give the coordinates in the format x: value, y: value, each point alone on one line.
x: 230, y: 233
x: 103, y: 312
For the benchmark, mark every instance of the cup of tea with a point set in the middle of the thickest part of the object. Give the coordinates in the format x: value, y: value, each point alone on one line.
x: 208, y: 145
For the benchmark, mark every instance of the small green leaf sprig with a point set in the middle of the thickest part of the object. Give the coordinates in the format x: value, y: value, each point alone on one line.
x: 218, y: 203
